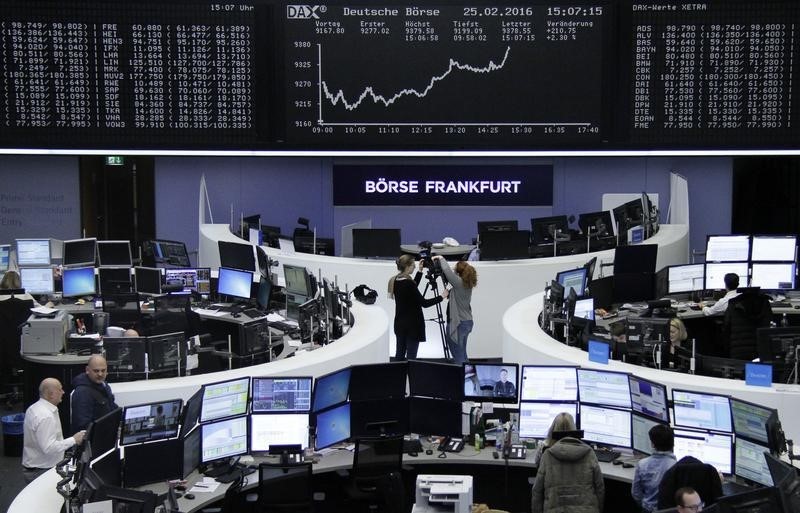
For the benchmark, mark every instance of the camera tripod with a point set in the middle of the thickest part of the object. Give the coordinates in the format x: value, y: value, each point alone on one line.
x: 431, y: 277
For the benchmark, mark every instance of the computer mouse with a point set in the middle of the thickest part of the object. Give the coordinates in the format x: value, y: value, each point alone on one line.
x: 627, y: 465
x: 412, y: 454
x: 235, y: 315
x: 189, y: 496
x: 495, y: 455
x: 617, y: 462
x: 428, y: 451
x: 180, y: 488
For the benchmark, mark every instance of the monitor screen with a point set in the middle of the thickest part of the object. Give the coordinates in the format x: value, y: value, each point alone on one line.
x: 127, y: 500
x: 114, y: 253
x: 773, y: 248
x: 78, y: 281
x: 649, y: 398
x: 647, y: 330
x: 727, y: 248
x: 505, y: 245
x: 378, y: 381
x: 491, y: 382
x: 606, y: 426
x: 148, y: 280
x: 584, y: 309
x: 639, y: 258
x: 191, y: 413
x: 102, y: 433
x: 574, y: 279
x: 640, y: 433
x: 139, y: 462
x: 33, y: 252
x: 268, y: 429
x: 114, y: 281
x: 37, y: 280
x: 702, y: 411
x: 750, y: 420
x: 154, y: 421
x: 283, y: 394
x: 193, y: 280
x: 297, y: 280
x: 773, y: 276
x: 376, y: 242
x: 544, y: 229
x: 333, y: 426
x: 125, y: 354
x: 497, y: 226
x: 191, y: 453
x: 235, y: 283
x: 164, y: 351
x: 379, y: 417
x: 109, y: 468
x: 712, y: 448
x: 168, y: 252
x: 435, y: 417
x: 546, y: 383
x: 225, y: 399
x: 604, y: 387
x: 685, y: 278
x: 331, y: 389
x: 223, y: 439
x: 596, y: 224
x: 715, y: 274
x: 436, y: 380
x: 237, y: 256
x: 750, y: 463
x: 5, y: 257
x: 535, y: 419
x: 79, y: 252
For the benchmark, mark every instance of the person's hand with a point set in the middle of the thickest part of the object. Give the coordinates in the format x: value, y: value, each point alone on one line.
x: 437, y: 257
x: 421, y: 264
x: 445, y: 293
x: 79, y: 436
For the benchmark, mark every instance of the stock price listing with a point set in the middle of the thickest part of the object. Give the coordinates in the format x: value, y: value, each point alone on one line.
x: 500, y: 76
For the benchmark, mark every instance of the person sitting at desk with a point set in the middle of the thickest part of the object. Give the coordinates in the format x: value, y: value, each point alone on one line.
x: 11, y: 280
x: 687, y: 500
x: 677, y: 336
x: 731, y: 284
x: 504, y: 388
x: 651, y: 469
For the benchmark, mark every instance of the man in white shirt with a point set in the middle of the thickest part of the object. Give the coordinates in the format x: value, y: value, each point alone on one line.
x: 731, y: 284
x: 44, y: 444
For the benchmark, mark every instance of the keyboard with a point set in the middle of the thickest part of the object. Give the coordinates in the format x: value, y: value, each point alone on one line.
x: 282, y: 326
x: 253, y: 313
x: 605, y: 455
x: 412, y: 446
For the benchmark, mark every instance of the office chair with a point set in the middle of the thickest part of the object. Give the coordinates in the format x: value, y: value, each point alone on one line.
x: 690, y: 471
x: 285, y: 487
x: 173, y: 312
x: 745, y: 314
x: 233, y: 501
x: 14, y: 312
x: 376, y: 482
x: 123, y: 309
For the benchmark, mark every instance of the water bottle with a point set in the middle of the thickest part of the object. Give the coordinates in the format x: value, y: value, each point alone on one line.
x: 784, y: 321
x: 514, y: 434
x: 499, y: 438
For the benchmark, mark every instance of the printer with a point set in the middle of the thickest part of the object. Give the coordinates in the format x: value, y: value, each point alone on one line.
x: 45, y: 334
x: 437, y: 493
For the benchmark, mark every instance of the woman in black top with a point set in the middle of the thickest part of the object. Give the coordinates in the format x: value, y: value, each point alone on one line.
x: 409, y: 324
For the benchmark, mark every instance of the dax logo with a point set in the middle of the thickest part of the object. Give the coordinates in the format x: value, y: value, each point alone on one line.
x: 304, y: 12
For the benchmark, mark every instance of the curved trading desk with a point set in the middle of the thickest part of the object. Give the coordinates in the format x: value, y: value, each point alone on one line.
x: 526, y: 343
x: 500, y: 283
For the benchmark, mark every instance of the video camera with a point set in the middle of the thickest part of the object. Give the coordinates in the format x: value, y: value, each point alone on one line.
x: 433, y: 266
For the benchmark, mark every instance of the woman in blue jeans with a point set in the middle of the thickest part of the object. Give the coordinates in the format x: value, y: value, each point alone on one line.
x: 459, y: 311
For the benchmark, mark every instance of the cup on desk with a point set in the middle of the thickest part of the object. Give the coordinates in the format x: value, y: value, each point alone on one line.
x: 99, y: 322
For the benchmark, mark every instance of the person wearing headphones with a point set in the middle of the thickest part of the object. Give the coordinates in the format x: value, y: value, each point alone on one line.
x: 409, y: 323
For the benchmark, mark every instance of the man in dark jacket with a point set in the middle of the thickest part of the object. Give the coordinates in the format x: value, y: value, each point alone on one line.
x: 568, y: 480
x: 91, y: 397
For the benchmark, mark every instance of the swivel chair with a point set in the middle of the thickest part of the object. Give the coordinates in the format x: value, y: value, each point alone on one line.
x: 13, y: 314
x: 690, y: 471
x: 284, y: 487
x: 376, y: 479
x: 123, y: 309
x: 745, y: 314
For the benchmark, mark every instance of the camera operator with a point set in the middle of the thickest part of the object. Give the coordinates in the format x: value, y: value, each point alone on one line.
x: 459, y: 311
x: 409, y: 323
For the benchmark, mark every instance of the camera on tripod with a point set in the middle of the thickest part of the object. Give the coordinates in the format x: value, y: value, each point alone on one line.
x: 433, y: 266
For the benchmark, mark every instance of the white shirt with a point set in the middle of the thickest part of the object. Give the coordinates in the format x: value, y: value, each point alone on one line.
x: 720, y: 306
x: 44, y: 444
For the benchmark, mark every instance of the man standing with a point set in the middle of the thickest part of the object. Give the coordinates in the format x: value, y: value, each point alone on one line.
x: 91, y: 397
x: 43, y: 441
x: 650, y: 470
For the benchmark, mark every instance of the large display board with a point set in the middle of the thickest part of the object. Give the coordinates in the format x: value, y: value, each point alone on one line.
x: 266, y: 75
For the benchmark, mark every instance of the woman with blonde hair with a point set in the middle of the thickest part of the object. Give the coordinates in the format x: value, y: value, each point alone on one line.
x: 409, y: 323
x: 677, y: 336
x: 462, y: 280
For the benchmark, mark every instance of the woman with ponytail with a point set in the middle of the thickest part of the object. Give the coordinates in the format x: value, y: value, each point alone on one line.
x: 409, y: 323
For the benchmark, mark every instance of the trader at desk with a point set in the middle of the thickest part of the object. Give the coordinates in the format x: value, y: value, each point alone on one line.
x: 731, y: 284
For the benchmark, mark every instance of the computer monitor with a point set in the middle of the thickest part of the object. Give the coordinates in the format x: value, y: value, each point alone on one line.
x: 511, y: 245
x: 750, y: 463
x: 640, y: 433
x: 141, y: 459
x: 331, y: 298
x: 774, y: 248
x: 596, y: 224
x: 298, y: 280
x: 776, y: 276
x: 33, y: 252
x: 584, y: 309
x: 114, y: 253
x: 752, y: 421
x: 376, y: 242
x: 101, y: 434
x: 716, y: 271
x: 702, y: 411
x: 639, y: 258
x: 79, y: 252
x: 151, y: 421
x: 109, y: 468
x: 777, y: 345
x: 332, y: 426
x: 712, y: 448
x: 491, y: 382
x: 125, y: 355
x: 165, y: 351
x: 223, y: 439
x: 114, y: 280
x: 225, y: 399
x: 574, y: 279
x: 607, y: 426
x: 649, y: 398
x: 605, y: 388
x: 126, y: 499
x: 78, y: 281
x: 786, y: 479
x: 378, y: 381
x: 497, y: 226
x: 758, y: 500
x: 237, y: 256
x: 435, y: 380
x: 428, y: 416
x: 165, y: 252
x: 727, y: 248
x: 545, y: 229
x: 5, y: 257
x: 549, y: 383
x: 268, y: 429
x: 379, y: 417
x: 284, y: 394
x: 191, y: 413
x: 685, y: 278
x: 330, y: 389
x: 148, y: 280
x: 535, y: 419
x: 191, y: 453
x: 193, y: 280
x: 264, y: 293
x: 235, y: 283
x: 37, y: 280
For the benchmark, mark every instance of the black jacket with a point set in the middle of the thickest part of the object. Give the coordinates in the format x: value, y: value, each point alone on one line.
x: 89, y: 401
x: 408, y: 319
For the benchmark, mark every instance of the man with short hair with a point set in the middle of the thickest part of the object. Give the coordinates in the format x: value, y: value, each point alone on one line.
x: 91, y: 397
x: 650, y: 470
x: 504, y: 388
x: 43, y: 441
x: 688, y: 500
x: 731, y: 284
